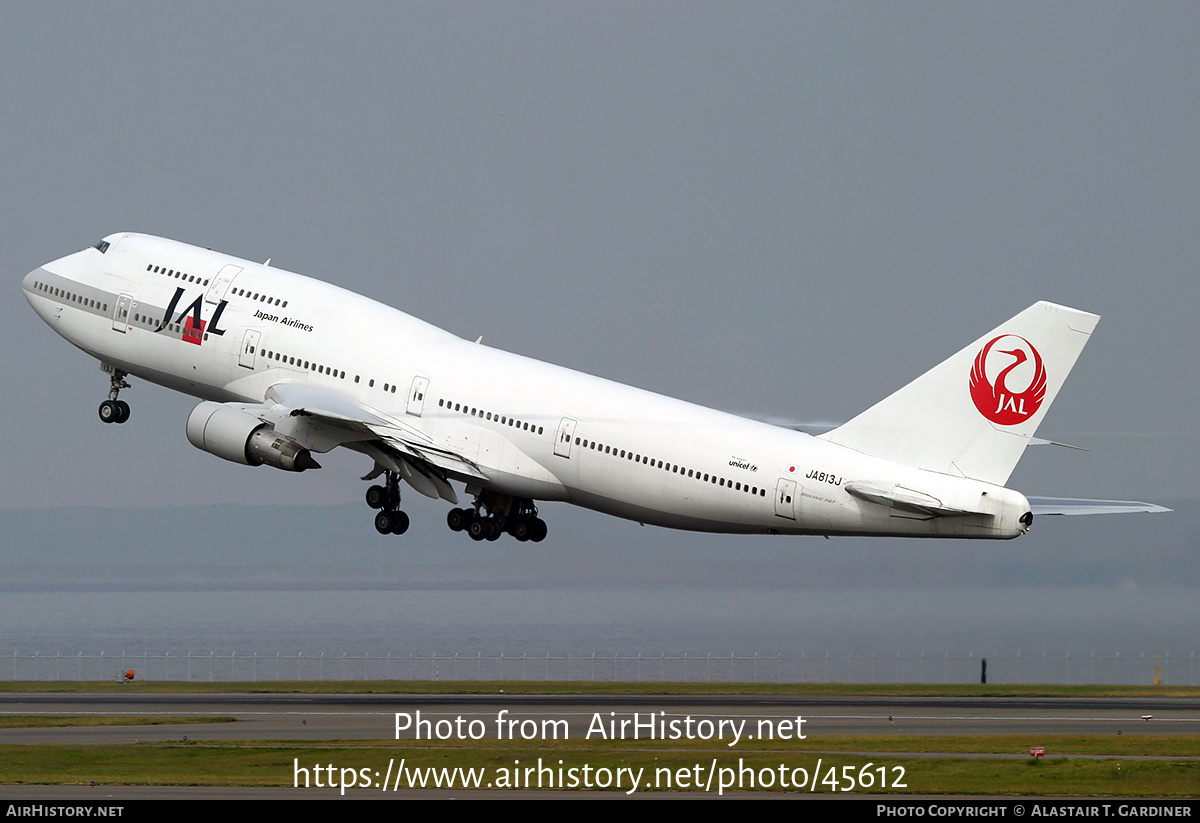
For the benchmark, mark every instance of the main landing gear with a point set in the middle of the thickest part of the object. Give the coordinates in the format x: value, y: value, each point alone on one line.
x: 389, y: 519
x: 113, y: 410
x: 515, y: 515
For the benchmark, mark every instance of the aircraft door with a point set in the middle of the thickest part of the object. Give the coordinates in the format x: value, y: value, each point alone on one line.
x: 416, y: 396
x: 249, y: 348
x: 121, y: 312
x: 562, y: 443
x: 785, y: 498
x: 220, y: 283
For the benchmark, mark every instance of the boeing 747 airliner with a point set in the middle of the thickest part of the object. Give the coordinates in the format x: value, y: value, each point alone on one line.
x: 287, y: 367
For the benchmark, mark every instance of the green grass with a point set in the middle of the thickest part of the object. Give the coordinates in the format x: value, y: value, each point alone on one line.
x: 273, y: 764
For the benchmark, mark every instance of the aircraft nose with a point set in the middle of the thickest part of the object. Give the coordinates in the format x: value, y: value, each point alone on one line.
x: 30, y: 286
x: 38, y: 283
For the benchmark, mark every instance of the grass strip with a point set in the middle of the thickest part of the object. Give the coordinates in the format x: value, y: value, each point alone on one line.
x: 517, y: 766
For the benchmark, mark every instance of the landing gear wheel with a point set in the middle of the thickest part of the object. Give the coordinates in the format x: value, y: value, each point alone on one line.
x: 479, y: 529
x: 383, y: 522
x: 386, y: 499
x: 459, y: 519
x: 377, y: 497
x: 521, y: 530
x: 113, y: 410
x: 495, y: 514
x: 110, y: 412
x: 391, y: 522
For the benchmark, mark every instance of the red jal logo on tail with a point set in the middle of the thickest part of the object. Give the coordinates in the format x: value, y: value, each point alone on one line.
x: 1017, y: 392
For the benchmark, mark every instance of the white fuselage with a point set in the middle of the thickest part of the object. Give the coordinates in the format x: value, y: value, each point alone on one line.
x: 227, y: 330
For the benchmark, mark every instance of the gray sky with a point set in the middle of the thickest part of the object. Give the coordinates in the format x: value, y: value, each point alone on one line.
x: 781, y: 209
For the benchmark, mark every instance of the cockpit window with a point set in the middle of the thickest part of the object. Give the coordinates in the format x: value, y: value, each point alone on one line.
x: 102, y: 246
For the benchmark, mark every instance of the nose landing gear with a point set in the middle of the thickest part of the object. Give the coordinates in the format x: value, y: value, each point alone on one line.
x: 113, y: 410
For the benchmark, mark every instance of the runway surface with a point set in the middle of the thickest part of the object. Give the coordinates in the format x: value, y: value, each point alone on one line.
x: 373, y: 717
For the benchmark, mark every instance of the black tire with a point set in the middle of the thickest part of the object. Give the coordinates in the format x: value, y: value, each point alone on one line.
x: 122, y: 411
x: 538, y: 530
x: 400, y: 522
x: 521, y: 530
x: 384, y: 523
x: 109, y: 412
x: 376, y: 497
x: 478, y: 530
x: 458, y: 519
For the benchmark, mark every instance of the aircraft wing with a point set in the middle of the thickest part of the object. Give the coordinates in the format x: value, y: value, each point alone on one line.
x: 1077, y: 505
x: 324, y: 403
x: 323, y: 418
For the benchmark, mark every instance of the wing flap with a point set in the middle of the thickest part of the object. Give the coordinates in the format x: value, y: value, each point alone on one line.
x: 444, y: 459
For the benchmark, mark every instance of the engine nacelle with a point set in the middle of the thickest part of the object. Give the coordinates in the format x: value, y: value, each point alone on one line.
x: 235, y: 435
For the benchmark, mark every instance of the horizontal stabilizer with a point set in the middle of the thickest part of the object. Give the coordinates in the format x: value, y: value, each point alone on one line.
x: 1077, y: 505
x: 1041, y: 441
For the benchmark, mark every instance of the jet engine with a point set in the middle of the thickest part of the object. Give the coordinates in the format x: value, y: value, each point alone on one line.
x: 239, y: 436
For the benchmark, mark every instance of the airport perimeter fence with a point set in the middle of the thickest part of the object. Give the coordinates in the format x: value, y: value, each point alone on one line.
x: 1173, y: 668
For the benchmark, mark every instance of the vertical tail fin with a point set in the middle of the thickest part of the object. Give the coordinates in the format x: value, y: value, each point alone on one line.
x: 974, y: 414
